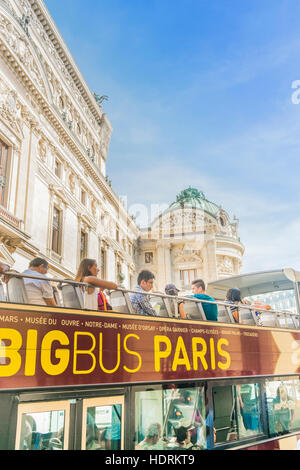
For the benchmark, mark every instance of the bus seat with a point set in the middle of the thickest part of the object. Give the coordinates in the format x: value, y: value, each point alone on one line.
x: 224, y: 314
x: 72, y: 296
x: 160, y: 306
x: 247, y: 316
x: 172, y: 307
x: 16, y: 291
x: 2, y: 293
x: 56, y: 297
x: 286, y: 320
x: 290, y: 321
x: 120, y: 302
x: 296, y: 321
x: 194, y: 310
x: 269, y: 319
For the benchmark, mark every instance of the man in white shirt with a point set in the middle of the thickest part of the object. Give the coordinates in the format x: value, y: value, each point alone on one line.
x: 39, y: 292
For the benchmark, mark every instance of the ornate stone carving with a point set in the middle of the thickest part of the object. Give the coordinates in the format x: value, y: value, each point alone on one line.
x: 72, y: 179
x: 187, y: 253
x: 42, y: 150
x: 10, y: 108
x: 19, y: 44
x: 225, y: 265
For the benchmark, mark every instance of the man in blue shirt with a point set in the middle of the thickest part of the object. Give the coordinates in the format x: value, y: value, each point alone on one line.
x: 140, y: 302
x: 210, y: 310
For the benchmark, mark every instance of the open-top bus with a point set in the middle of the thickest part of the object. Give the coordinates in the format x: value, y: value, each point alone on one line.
x: 77, y: 379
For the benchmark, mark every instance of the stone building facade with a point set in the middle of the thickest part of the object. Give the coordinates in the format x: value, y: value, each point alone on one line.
x: 56, y: 201
x: 194, y: 238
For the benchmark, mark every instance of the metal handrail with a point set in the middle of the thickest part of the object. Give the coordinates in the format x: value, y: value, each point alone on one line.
x: 188, y: 298
x: 45, y: 278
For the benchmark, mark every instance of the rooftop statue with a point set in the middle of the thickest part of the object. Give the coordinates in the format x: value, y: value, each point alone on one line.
x: 193, y: 198
x: 99, y: 99
x: 190, y: 193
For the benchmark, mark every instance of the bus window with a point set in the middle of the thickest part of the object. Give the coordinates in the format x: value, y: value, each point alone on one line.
x: 103, y: 420
x: 283, y: 405
x: 164, y: 411
x: 149, y: 420
x: 237, y: 413
x: 278, y: 300
x: 43, y: 427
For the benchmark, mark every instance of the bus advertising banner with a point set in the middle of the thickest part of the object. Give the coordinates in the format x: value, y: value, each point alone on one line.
x: 39, y: 349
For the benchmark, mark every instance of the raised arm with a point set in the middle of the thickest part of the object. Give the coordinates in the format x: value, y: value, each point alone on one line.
x: 94, y: 281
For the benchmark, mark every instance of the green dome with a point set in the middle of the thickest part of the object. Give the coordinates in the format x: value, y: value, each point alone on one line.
x: 192, y: 198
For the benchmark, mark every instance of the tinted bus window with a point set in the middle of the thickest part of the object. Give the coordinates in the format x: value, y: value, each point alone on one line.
x: 237, y: 412
x: 103, y: 430
x: 162, y: 415
x: 103, y: 423
x: 42, y: 431
x: 283, y: 405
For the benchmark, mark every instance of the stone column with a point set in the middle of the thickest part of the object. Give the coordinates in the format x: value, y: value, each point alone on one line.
x: 30, y: 176
x: 164, y: 274
x: 211, y: 260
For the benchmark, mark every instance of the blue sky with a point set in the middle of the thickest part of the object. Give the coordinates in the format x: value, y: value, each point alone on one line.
x: 200, y: 94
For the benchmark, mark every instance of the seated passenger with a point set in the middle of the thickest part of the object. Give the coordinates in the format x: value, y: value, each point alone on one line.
x: 140, y: 303
x: 283, y: 410
x: 152, y: 440
x: 261, y: 306
x: 39, y: 292
x: 210, y: 310
x: 177, y: 307
x: 233, y: 297
x: 103, y: 304
x: 3, y: 268
x: 183, y: 439
x: 87, y: 273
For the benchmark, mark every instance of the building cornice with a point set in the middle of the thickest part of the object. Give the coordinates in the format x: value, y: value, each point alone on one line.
x: 20, y: 71
x: 44, y: 17
x: 222, y: 240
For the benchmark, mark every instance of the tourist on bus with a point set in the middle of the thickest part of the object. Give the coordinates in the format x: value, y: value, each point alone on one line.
x: 3, y: 268
x: 283, y: 406
x: 140, y: 302
x: 152, y: 440
x: 233, y: 297
x: 210, y: 310
x: 103, y: 304
x: 87, y: 273
x: 177, y: 306
x: 183, y: 438
x: 39, y: 291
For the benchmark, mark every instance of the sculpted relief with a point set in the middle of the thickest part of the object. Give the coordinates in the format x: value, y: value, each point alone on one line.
x: 11, y: 109
x: 184, y: 220
x: 19, y: 44
x: 187, y: 253
x: 53, y: 80
x: 225, y: 265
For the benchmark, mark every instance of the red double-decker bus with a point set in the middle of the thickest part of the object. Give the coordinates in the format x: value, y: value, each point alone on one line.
x: 112, y: 380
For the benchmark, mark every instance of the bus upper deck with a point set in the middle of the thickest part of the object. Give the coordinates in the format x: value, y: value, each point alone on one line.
x: 69, y: 294
x: 279, y: 288
x: 74, y: 378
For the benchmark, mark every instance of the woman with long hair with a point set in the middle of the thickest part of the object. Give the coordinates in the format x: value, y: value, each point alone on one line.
x: 233, y: 297
x: 87, y: 273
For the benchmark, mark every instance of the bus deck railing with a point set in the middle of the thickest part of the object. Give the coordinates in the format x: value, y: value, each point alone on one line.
x: 72, y: 294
